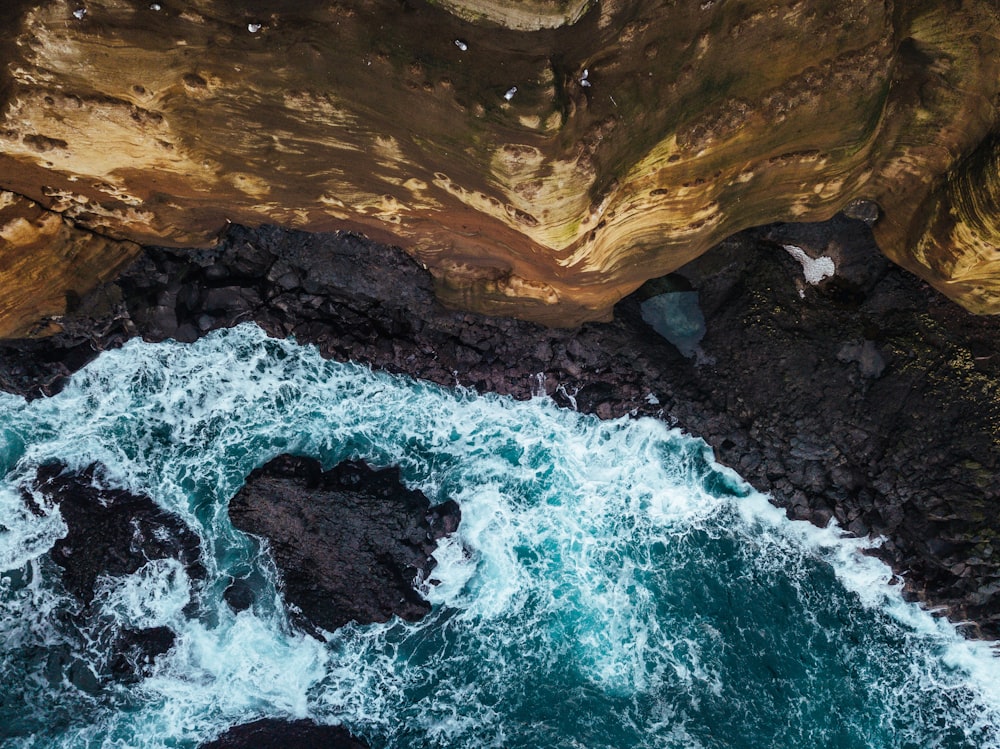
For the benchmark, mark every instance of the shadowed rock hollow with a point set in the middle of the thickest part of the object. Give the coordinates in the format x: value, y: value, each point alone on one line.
x: 541, y: 158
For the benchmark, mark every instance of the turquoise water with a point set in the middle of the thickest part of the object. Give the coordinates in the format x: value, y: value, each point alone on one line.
x: 609, y: 585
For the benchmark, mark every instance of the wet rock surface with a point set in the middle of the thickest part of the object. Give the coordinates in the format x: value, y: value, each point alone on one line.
x: 349, y: 542
x: 110, y: 532
x: 867, y: 397
x: 280, y: 734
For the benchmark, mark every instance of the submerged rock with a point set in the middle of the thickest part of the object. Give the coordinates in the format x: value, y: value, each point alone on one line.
x: 349, y: 542
x: 271, y: 733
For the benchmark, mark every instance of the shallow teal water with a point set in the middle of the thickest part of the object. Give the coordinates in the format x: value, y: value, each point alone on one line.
x: 609, y: 585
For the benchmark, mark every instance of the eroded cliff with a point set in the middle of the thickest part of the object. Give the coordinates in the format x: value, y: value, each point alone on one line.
x: 542, y: 159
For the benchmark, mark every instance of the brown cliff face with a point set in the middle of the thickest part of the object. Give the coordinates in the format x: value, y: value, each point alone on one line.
x: 44, y: 261
x: 640, y: 134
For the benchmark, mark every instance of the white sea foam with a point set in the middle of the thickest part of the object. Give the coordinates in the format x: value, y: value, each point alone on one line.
x: 23, y: 534
x: 153, y: 596
x: 607, y: 563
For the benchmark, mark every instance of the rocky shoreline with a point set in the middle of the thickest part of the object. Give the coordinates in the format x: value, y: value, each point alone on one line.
x: 865, y: 397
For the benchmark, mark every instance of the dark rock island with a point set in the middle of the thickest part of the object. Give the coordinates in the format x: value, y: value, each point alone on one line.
x: 349, y: 542
x: 278, y: 734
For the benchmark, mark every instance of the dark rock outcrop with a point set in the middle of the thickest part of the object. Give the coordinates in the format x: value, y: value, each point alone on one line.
x: 349, y: 541
x: 270, y: 733
x: 867, y: 397
x: 111, y: 532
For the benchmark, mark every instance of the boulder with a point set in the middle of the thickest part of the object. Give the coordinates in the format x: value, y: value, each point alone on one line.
x: 350, y: 542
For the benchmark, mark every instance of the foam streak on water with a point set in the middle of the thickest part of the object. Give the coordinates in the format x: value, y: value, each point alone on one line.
x: 609, y: 586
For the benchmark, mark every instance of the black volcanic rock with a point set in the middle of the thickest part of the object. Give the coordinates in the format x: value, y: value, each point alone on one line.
x: 112, y: 532
x: 270, y: 733
x: 131, y: 651
x: 239, y: 595
x: 868, y: 397
x: 349, y: 541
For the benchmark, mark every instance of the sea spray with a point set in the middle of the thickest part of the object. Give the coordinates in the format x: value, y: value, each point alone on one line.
x: 609, y: 586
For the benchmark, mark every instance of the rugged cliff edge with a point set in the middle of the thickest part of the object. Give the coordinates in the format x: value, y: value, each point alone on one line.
x: 542, y: 159
x: 867, y: 397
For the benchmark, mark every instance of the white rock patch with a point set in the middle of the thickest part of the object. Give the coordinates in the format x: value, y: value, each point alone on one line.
x: 814, y: 269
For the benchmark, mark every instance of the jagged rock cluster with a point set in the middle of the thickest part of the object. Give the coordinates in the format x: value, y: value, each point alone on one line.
x: 349, y: 543
x: 111, y: 532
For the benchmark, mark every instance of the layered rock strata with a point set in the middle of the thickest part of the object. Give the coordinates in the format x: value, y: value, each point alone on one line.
x: 542, y: 159
x: 867, y: 397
